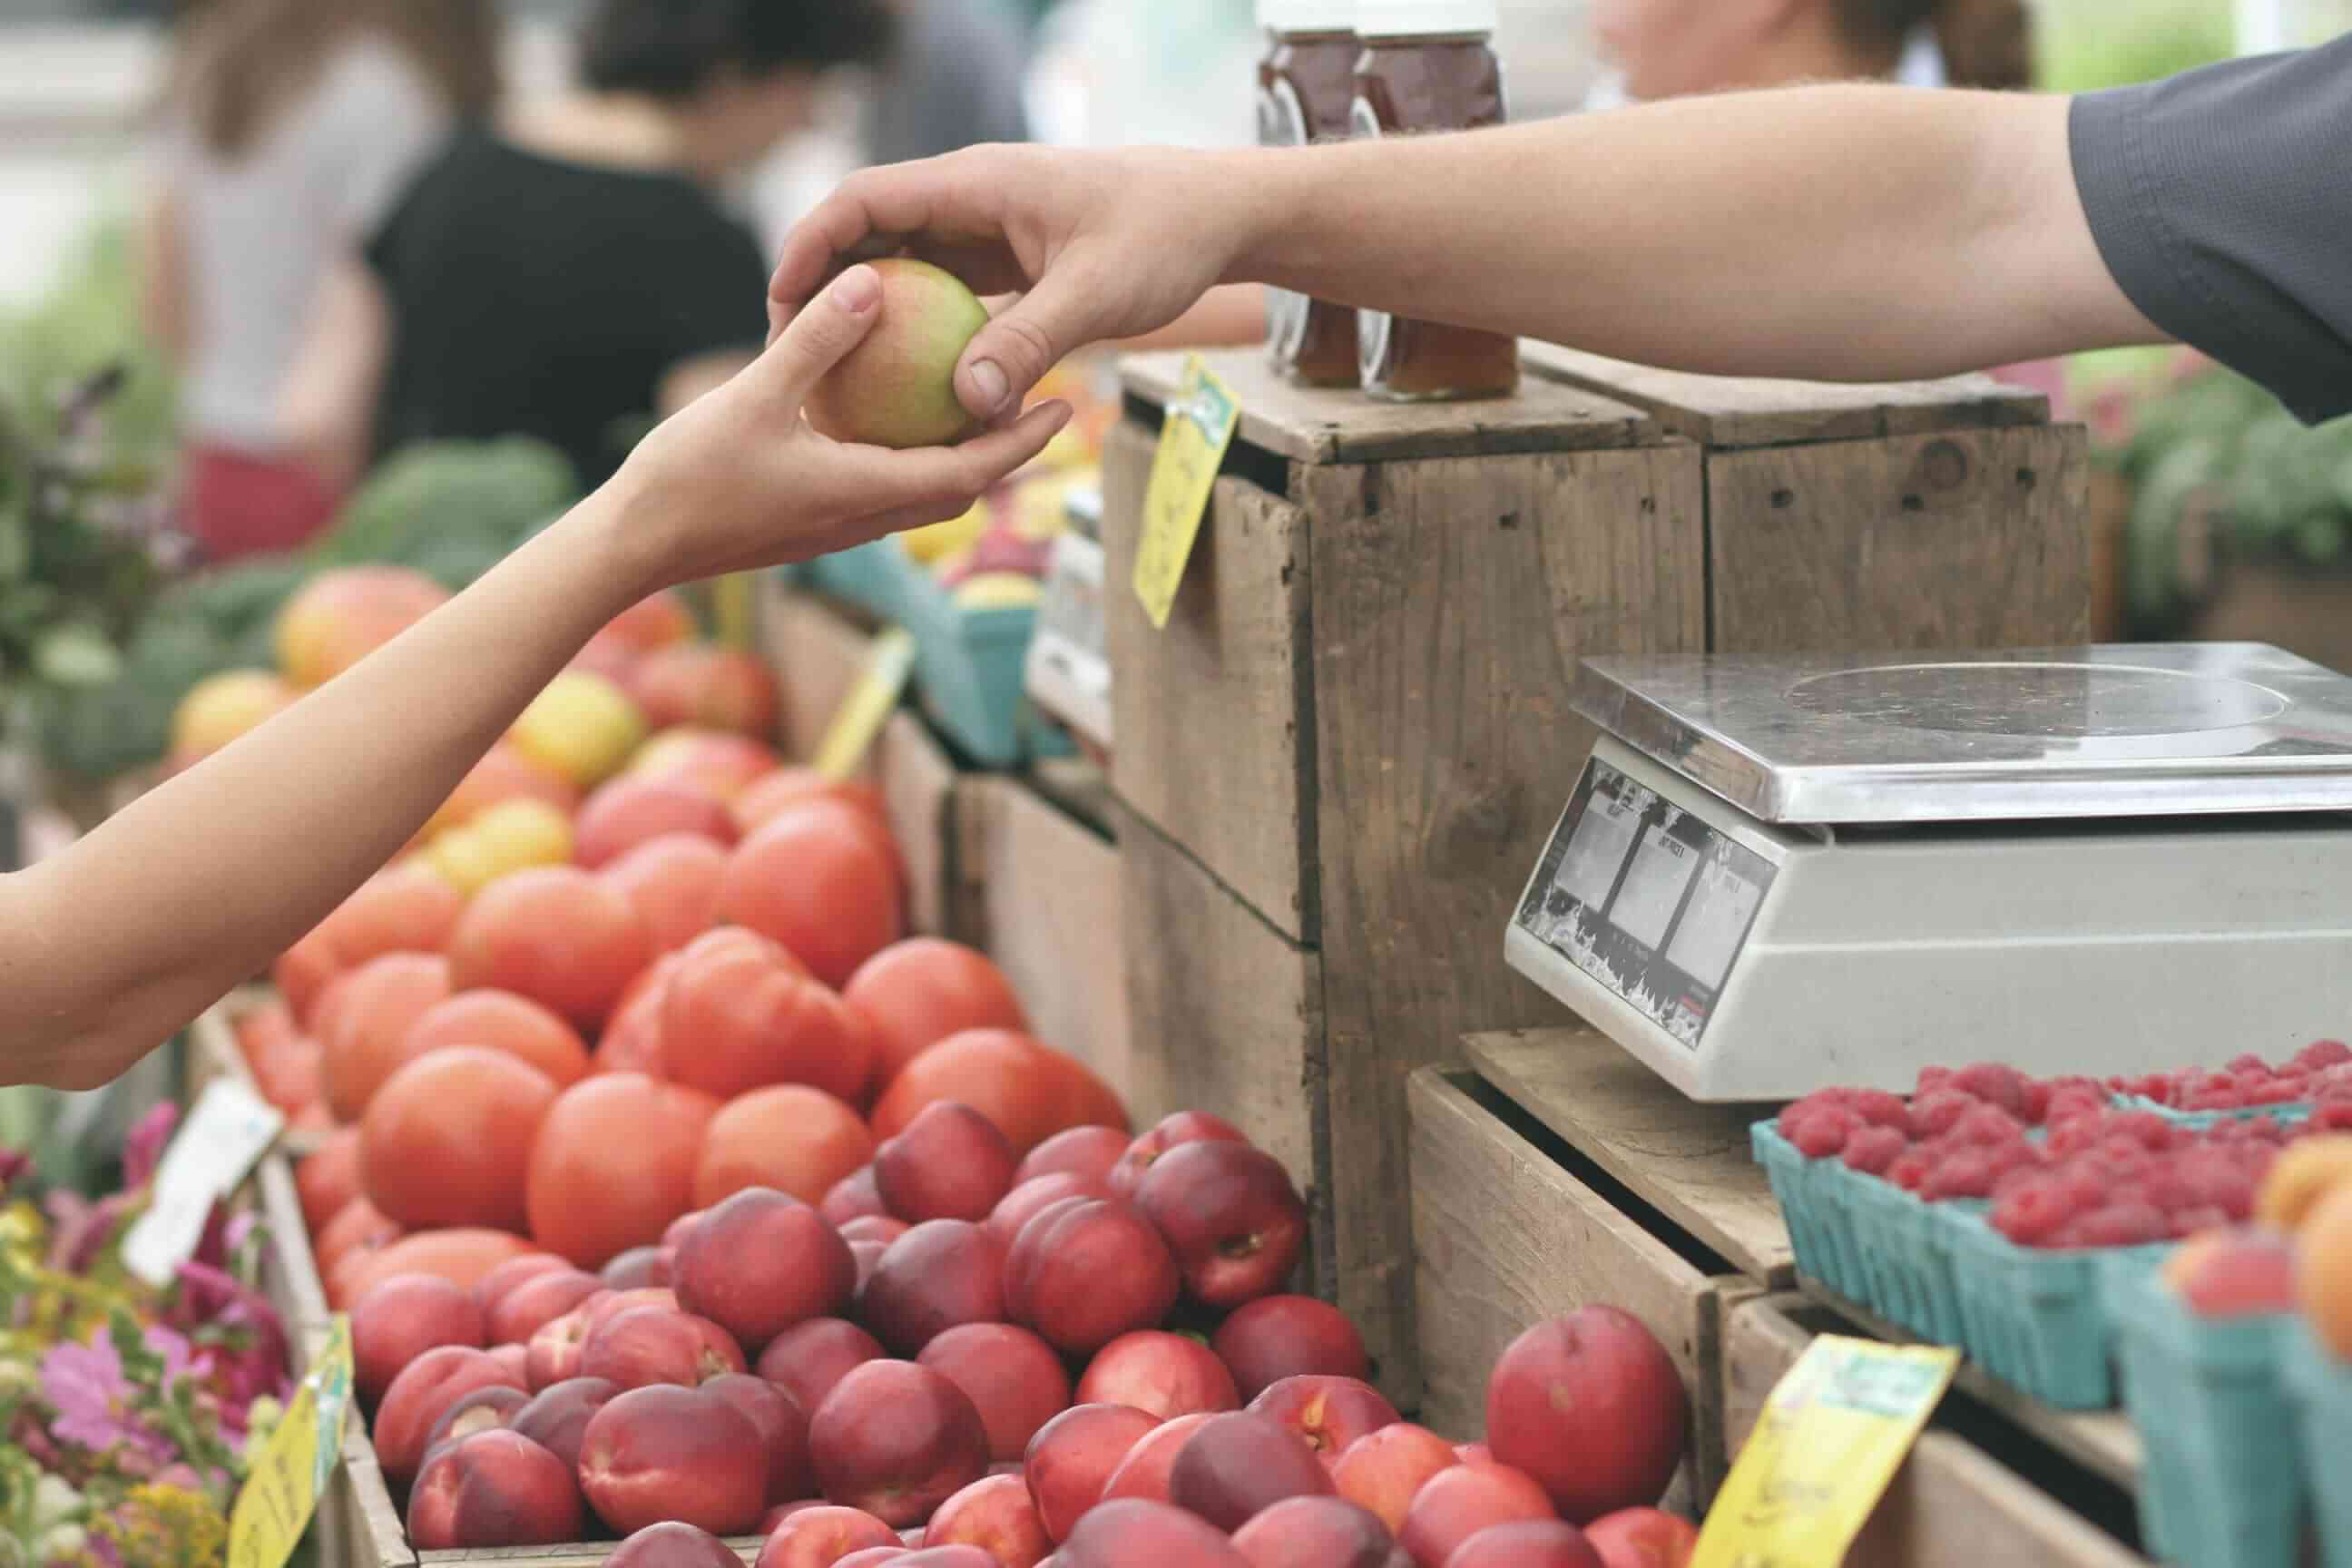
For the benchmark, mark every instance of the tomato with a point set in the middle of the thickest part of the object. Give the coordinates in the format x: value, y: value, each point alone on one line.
x: 672, y: 882
x: 633, y: 810
x: 795, y: 1139
x: 329, y: 1178
x: 358, y: 1226
x: 403, y: 909
x: 1029, y: 1089
x: 462, y: 1256
x: 363, y: 1025
x: 741, y: 1013
x: 918, y: 991
x: 501, y: 1021
x: 770, y: 797
x: 817, y: 879
x: 632, y: 1042
x: 448, y: 1139
x: 613, y: 1164
x: 555, y: 934
x: 714, y: 760
x: 503, y: 775
x: 708, y: 685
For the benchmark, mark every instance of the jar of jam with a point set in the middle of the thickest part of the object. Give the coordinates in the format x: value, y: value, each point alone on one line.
x: 1307, y: 92
x: 1429, y: 65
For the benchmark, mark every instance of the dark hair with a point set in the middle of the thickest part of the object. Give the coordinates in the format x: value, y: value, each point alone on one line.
x: 672, y: 49
x: 1985, y: 43
x: 239, y: 62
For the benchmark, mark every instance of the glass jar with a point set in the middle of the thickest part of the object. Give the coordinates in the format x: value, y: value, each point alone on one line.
x: 1307, y: 93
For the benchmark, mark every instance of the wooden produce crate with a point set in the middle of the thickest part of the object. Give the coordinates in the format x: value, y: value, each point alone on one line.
x: 1347, y: 746
x: 213, y: 1053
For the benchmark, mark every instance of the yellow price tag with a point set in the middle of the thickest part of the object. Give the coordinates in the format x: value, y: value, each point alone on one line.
x: 1193, y: 441
x: 733, y: 602
x: 869, y: 705
x: 1823, y: 1452
x: 287, y: 1478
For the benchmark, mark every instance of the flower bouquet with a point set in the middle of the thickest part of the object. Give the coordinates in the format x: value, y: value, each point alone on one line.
x: 127, y: 1412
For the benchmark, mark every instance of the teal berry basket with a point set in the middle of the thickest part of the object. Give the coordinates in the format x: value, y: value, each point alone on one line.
x: 1814, y: 1197
x: 2293, y: 1115
x: 1909, y: 1256
x: 971, y: 671
x: 2320, y: 1388
x: 2224, y: 1482
x: 2037, y: 1319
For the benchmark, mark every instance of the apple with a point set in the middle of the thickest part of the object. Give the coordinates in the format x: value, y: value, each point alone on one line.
x: 1231, y: 1215
x: 897, y: 387
x: 1591, y: 1406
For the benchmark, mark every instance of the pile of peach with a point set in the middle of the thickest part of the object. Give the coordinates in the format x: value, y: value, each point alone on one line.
x: 990, y: 1356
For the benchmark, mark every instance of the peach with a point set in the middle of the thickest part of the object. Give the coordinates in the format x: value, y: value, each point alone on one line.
x: 341, y: 616
x: 1591, y: 1406
x: 708, y: 685
x: 875, y: 1228
x: 647, y: 1345
x: 503, y: 775
x: 760, y: 1263
x: 951, y: 1162
x: 1028, y: 1088
x: 1276, y: 1337
x: 416, y: 1399
x: 674, y: 1235
x: 1327, y: 1532
x: 1384, y: 1469
x: 783, y: 1428
x: 939, y: 1275
x: 994, y: 1513
x: 1230, y: 1217
x: 897, y: 1440
x: 626, y: 813
x: 1087, y: 1270
x: 1643, y: 1538
x: 2305, y: 1172
x: 493, y: 1488
x: 868, y: 1254
x: 538, y: 1302
x: 2233, y: 1273
x: 673, y: 1545
x: 672, y: 882
x: 1328, y: 1414
x: 1135, y: 1161
x: 2325, y: 1244
x: 957, y: 1555
x: 516, y: 1359
x: 1073, y: 1457
x: 665, y: 1452
x: 1237, y: 1465
x: 1134, y: 1534
x: 1458, y: 1503
x: 657, y: 621
x: 852, y: 1197
x: 484, y: 1410
x: 1086, y: 1152
x: 1527, y: 1544
x: 557, y: 1416
x: 1472, y: 1454
x: 1165, y: 1375
x: 555, y: 934
x: 824, y: 1536
x: 402, y: 1319
x: 1011, y: 1377
x: 806, y: 1359
x: 896, y: 388
x: 1031, y: 1198
x: 554, y: 1352
x: 873, y: 1556
x: 1144, y: 1472
x: 639, y: 1268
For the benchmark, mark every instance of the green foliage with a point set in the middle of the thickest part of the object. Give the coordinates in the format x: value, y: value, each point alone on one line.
x: 452, y: 511
x: 2084, y: 46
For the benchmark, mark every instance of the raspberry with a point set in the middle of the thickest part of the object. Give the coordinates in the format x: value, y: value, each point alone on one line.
x: 2146, y: 1128
x: 2003, y: 1085
x: 2071, y: 1105
x: 1824, y: 1133
x: 2247, y: 1062
x: 2031, y: 1212
x: 1933, y: 1079
x: 1936, y: 1112
x: 1910, y: 1172
x: 2323, y: 1054
x: 1963, y: 1173
x: 2076, y: 1134
x: 2278, y: 1091
x: 1872, y: 1150
x: 2038, y: 1095
x: 2333, y: 1116
x: 1880, y: 1108
x: 2127, y: 1222
x: 2019, y: 1155
x: 1989, y: 1127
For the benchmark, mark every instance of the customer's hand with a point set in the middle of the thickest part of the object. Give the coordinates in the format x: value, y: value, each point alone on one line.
x: 739, y: 479
x: 1106, y: 245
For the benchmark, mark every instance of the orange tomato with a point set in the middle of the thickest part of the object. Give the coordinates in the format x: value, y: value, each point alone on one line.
x: 741, y: 1013
x: 707, y: 685
x: 448, y: 1139
x: 555, y: 934
x: 501, y: 1021
x: 462, y: 1256
x: 329, y: 1178
x: 363, y: 1028
x: 918, y: 991
x: 768, y: 798
x: 816, y: 879
x: 711, y: 759
x: 614, y: 1165
x: 1029, y: 1089
x: 672, y: 883
x: 632, y: 810
x: 504, y: 773
x: 358, y: 1226
x: 401, y: 910
x: 795, y: 1139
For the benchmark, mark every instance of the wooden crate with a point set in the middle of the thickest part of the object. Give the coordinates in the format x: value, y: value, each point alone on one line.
x: 213, y: 1053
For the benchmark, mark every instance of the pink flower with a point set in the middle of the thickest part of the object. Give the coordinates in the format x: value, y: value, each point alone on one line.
x: 14, y: 1162
x: 95, y: 1409
x: 142, y: 1149
x: 246, y: 1341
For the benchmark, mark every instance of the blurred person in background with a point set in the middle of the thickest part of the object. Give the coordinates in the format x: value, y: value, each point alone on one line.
x: 952, y: 79
x: 1673, y: 49
x: 571, y: 274
x: 291, y: 127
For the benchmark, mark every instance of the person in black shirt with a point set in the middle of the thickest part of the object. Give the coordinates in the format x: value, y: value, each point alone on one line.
x: 569, y: 274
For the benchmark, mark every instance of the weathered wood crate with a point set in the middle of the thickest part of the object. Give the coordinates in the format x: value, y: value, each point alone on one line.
x: 1339, y: 760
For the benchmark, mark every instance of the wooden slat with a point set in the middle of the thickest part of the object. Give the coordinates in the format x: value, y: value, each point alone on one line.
x: 1950, y: 1506
x: 919, y: 785
x: 1049, y: 911
x: 1691, y: 1162
x: 1452, y: 599
x: 1744, y: 411
x: 1971, y: 540
x: 1325, y: 426
x: 817, y: 654
x: 1508, y: 1238
x: 1215, y: 747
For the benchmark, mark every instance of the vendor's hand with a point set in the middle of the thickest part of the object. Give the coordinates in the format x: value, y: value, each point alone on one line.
x: 1107, y: 245
x: 739, y: 479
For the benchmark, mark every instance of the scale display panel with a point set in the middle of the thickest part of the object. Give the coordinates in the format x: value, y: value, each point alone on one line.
x: 1646, y: 898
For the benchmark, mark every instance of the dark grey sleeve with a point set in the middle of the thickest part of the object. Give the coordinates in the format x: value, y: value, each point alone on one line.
x: 2221, y: 201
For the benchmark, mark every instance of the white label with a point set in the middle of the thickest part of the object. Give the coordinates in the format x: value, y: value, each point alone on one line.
x: 1709, y: 937
x: 1597, y: 852
x: 1663, y: 867
x: 210, y: 1154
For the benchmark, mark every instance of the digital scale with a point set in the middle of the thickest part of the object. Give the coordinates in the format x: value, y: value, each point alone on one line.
x: 1780, y: 874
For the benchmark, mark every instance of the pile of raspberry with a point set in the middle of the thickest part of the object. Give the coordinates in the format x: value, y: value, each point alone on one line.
x: 2098, y: 1177
x: 2320, y: 1074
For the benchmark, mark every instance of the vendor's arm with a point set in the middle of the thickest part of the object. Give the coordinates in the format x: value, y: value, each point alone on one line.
x: 114, y: 944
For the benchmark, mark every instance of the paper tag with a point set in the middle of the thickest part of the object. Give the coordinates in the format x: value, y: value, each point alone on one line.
x: 1193, y: 441
x: 210, y: 1154
x: 1067, y: 674
x: 1824, y: 1451
x: 869, y: 705
x: 734, y: 606
x: 284, y: 1483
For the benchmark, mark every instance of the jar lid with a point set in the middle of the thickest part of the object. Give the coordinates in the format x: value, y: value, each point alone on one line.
x: 1409, y: 18
x: 1307, y: 16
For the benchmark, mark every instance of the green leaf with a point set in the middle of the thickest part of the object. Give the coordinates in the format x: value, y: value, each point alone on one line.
x: 76, y: 655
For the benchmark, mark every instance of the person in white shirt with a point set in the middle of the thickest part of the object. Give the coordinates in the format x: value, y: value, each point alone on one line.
x: 291, y: 127
x: 1674, y: 48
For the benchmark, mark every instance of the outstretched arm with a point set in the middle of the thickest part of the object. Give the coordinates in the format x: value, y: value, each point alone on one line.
x: 112, y: 946
x: 1836, y: 233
